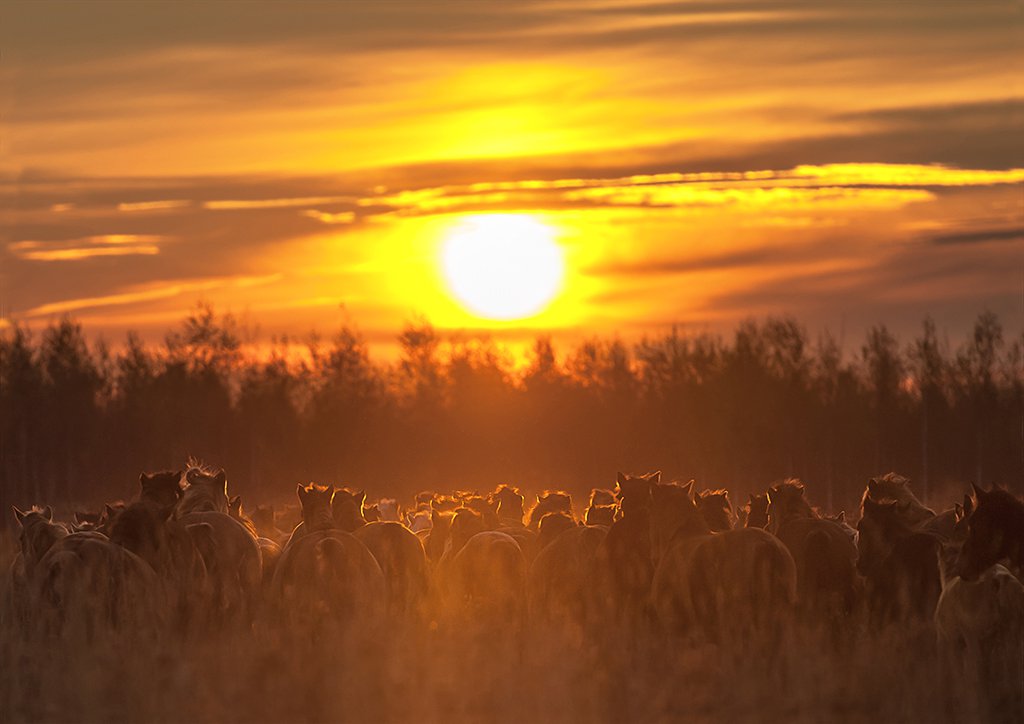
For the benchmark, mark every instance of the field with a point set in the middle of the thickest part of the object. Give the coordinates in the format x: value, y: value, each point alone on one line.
x: 443, y: 668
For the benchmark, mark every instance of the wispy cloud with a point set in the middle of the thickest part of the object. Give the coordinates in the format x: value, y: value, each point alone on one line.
x: 88, y: 247
x: 148, y: 293
x: 340, y: 217
x: 154, y: 205
x: 237, y: 204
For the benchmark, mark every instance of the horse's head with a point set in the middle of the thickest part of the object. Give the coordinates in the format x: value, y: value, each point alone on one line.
x: 672, y: 510
x: 757, y: 511
x: 465, y: 524
x: 347, y: 508
x: 483, y: 506
x: 552, y: 525
x: 162, y: 489
x: 993, y: 532
x: 142, y: 529
x: 600, y: 515
x: 317, y: 508
x: 38, y: 533
x: 511, y: 504
x: 602, y: 496
x: 879, y: 526
x: 550, y: 501
x: 715, y: 507
x: 786, y: 501
x: 205, y: 490
x: 634, y: 491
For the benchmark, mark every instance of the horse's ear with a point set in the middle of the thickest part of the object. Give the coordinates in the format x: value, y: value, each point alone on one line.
x: 842, y: 516
x: 958, y: 512
x: 872, y: 484
x: 655, y: 477
x: 19, y: 515
x: 108, y: 511
x: 300, y: 490
x: 968, y: 505
x: 620, y: 479
x: 48, y: 513
x: 222, y: 480
x: 143, y: 479
x: 979, y: 493
x: 689, y: 489
x: 236, y: 500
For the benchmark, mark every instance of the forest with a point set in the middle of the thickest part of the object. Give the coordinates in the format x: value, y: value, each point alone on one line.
x: 80, y: 419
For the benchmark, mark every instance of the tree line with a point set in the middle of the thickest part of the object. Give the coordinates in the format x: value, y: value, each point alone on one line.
x: 79, y: 421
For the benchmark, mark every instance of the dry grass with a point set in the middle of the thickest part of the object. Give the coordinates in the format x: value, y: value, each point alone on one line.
x: 451, y: 670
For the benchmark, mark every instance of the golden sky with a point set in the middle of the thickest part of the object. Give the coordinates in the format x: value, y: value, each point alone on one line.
x: 695, y: 162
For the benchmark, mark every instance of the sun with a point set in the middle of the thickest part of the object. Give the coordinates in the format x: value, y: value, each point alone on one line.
x: 503, y: 266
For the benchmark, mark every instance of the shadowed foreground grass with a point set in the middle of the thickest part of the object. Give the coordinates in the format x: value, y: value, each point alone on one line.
x: 457, y: 670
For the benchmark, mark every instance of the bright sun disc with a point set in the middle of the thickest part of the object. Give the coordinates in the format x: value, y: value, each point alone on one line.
x: 503, y: 266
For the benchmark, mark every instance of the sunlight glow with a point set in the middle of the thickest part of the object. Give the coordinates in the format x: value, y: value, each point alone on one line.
x: 503, y: 266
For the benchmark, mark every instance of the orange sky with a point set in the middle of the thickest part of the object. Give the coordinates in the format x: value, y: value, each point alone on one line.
x: 304, y: 163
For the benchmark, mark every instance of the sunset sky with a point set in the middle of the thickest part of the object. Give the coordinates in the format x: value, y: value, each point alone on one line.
x: 694, y: 163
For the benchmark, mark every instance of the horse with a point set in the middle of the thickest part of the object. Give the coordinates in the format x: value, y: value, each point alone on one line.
x: 980, y: 627
x: 148, y: 530
x: 486, y: 579
x: 162, y: 488
x: 900, y: 564
x: 716, y: 509
x: 270, y: 549
x: 87, y: 585
x: 37, y: 533
x: 205, y: 491
x: 995, y: 533
x: 549, y: 502
x: 511, y: 502
x: 756, y: 511
x: 403, y: 563
x: 563, y: 585
x: 327, y: 575
x: 627, y: 547
x: 716, y: 585
x: 825, y: 555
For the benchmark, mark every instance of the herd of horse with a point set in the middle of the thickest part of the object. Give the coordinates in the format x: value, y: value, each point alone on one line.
x: 184, y: 556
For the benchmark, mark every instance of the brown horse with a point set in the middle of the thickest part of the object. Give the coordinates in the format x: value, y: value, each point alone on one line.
x: 402, y: 561
x: 900, y: 564
x: 549, y: 502
x: 896, y: 488
x: 603, y: 515
x: 270, y: 549
x: 715, y: 507
x: 756, y: 511
x: 347, y: 509
x: 37, y: 533
x: 486, y: 579
x: 326, y: 575
x: 147, y: 529
x: 88, y: 585
x: 511, y: 502
x: 163, y: 488
x: 995, y: 533
x: 205, y: 491
x: 716, y: 585
x: 627, y: 548
x: 563, y: 582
